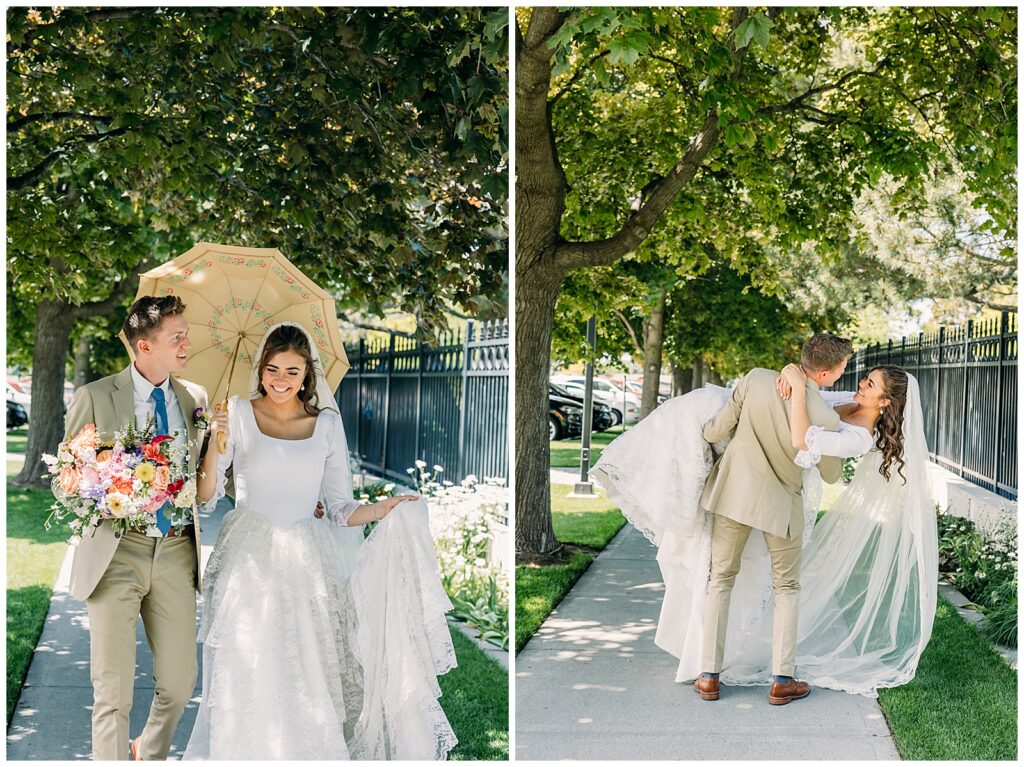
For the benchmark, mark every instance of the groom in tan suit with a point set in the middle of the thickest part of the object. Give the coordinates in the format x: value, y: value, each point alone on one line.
x: 756, y: 484
x: 150, y: 571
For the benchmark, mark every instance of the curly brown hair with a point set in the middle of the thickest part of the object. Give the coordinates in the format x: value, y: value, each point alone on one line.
x: 289, y: 338
x: 889, y: 427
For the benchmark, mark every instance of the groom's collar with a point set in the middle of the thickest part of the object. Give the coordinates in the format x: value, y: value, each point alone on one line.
x: 813, y: 384
x: 144, y: 387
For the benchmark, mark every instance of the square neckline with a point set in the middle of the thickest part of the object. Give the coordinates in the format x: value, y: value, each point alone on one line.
x: 252, y: 414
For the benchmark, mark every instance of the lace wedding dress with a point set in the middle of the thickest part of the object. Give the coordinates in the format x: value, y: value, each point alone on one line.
x: 317, y: 644
x: 869, y: 572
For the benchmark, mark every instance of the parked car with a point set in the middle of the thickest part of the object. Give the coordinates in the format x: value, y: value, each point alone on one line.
x: 602, y: 418
x: 607, y: 394
x: 565, y: 417
x: 637, y: 389
x: 19, y: 392
x: 16, y: 415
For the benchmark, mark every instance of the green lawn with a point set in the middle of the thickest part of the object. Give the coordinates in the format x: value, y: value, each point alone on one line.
x: 578, y: 521
x: 565, y: 453
x: 34, y: 557
x: 962, y: 705
x: 474, y: 697
x: 16, y: 440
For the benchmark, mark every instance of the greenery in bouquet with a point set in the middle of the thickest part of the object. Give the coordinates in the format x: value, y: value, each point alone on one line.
x: 125, y: 481
x: 463, y: 522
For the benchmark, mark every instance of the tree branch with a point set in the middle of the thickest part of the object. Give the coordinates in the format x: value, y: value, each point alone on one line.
x: 629, y: 329
x: 796, y: 103
x: 579, y: 71
x: 30, y: 177
x: 123, y: 289
x: 371, y: 326
x: 575, y: 255
x: 21, y: 122
x: 540, y: 182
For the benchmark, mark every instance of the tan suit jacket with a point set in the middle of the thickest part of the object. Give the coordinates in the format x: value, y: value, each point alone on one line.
x: 110, y: 404
x: 756, y: 482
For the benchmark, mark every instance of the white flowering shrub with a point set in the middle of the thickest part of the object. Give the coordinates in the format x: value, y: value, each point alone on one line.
x: 983, y: 565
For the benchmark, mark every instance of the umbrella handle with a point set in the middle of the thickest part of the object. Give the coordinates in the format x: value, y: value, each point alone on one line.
x: 222, y: 440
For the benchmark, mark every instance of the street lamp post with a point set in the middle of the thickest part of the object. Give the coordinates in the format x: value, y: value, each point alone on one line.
x: 584, y: 487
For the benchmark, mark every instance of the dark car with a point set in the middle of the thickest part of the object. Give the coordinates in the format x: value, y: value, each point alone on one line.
x: 565, y: 417
x: 16, y: 415
x: 603, y: 418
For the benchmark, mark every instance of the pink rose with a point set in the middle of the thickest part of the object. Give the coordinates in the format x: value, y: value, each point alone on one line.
x: 88, y: 477
x: 161, y: 480
x: 69, y: 480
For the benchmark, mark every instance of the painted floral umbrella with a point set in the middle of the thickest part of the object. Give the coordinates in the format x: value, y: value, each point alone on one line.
x: 232, y: 296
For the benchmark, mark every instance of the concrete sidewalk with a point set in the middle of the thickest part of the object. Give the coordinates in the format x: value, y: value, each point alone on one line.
x: 53, y: 718
x: 592, y: 685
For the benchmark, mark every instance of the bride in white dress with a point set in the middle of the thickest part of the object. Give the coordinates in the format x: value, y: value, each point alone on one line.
x: 870, y: 566
x: 316, y: 643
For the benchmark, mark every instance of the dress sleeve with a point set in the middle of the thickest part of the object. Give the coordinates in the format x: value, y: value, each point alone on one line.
x: 848, y: 442
x: 336, y: 487
x: 226, y: 458
x: 833, y: 398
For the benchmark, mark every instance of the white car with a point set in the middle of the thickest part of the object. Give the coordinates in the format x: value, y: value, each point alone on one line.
x: 605, y: 393
x: 18, y: 393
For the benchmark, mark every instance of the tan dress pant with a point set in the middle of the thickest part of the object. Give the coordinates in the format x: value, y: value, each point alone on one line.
x: 728, y: 538
x: 153, y: 578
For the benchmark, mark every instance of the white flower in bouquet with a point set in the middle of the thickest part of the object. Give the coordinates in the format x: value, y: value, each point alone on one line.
x: 187, y: 495
x: 119, y: 505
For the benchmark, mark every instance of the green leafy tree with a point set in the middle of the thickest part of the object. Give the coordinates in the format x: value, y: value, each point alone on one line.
x: 368, y: 144
x: 771, y: 119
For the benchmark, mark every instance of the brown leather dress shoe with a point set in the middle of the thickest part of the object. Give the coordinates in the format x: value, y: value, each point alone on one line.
x: 794, y: 689
x: 707, y: 687
x: 133, y: 749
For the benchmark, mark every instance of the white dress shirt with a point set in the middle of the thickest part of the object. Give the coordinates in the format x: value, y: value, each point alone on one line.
x: 145, y: 408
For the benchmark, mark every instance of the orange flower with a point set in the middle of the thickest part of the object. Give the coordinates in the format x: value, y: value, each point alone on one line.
x: 152, y: 453
x: 121, y: 485
x: 104, y: 455
x: 87, y: 437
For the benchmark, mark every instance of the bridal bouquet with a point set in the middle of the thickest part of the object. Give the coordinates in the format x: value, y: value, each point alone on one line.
x: 126, y: 480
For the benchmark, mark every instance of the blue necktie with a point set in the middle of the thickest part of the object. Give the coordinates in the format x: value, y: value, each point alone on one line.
x: 162, y: 427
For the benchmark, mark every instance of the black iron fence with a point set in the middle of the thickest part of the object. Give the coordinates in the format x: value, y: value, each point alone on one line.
x: 446, y: 404
x: 968, y: 381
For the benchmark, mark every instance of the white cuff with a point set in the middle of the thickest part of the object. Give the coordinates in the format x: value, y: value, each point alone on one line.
x: 805, y: 459
x: 339, y: 514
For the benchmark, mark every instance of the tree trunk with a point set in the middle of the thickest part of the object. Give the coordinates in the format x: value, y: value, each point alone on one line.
x: 682, y: 379
x: 54, y: 320
x: 698, y: 372
x: 83, y: 365
x: 536, y: 293
x: 716, y: 378
x: 653, y: 336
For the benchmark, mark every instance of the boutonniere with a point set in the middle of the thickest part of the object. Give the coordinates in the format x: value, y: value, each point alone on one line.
x: 201, y: 418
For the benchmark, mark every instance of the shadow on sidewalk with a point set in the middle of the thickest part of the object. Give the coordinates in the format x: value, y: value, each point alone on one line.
x: 53, y: 718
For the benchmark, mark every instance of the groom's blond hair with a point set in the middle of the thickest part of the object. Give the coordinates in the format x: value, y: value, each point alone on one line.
x: 824, y: 351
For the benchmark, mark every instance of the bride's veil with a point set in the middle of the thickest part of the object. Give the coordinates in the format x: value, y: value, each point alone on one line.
x: 348, y: 539
x: 870, y: 571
